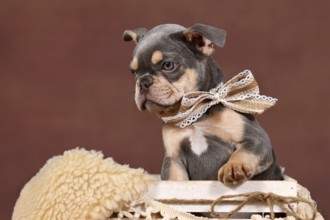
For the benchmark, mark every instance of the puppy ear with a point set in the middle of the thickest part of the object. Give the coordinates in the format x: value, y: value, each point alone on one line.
x: 134, y: 35
x: 203, y: 37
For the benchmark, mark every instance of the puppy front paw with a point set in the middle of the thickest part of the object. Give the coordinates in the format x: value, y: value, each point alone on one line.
x: 233, y: 173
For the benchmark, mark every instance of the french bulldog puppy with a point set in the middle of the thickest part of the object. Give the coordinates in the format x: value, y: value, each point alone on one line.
x: 169, y: 61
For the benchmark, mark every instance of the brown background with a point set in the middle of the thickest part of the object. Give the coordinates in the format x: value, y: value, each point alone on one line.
x: 64, y: 81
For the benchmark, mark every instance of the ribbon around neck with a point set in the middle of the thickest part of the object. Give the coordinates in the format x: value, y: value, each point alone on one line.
x: 241, y: 93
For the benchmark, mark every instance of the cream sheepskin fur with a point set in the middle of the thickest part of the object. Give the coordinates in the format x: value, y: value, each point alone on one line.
x: 82, y: 185
x: 79, y: 184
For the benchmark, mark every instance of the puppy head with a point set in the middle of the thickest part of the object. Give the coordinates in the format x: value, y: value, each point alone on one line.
x: 169, y: 61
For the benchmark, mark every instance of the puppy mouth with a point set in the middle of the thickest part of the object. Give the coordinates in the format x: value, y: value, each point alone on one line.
x: 149, y: 105
x: 145, y: 103
x: 142, y: 103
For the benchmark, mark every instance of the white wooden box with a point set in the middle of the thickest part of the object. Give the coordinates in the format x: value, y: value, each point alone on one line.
x: 186, y: 194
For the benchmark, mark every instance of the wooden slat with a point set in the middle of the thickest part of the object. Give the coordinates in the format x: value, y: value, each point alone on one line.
x: 211, y: 190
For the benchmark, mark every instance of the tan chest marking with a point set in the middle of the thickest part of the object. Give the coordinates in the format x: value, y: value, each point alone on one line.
x: 173, y: 136
x: 227, y: 125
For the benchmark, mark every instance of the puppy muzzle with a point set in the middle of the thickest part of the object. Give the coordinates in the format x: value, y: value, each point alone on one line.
x: 156, y: 93
x: 143, y: 84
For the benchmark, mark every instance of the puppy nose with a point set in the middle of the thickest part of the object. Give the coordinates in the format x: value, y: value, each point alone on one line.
x: 145, y: 83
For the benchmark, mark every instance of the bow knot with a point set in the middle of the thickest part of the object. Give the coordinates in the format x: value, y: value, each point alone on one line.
x: 241, y: 94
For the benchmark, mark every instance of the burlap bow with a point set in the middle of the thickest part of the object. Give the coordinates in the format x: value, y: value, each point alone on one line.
x: 241, y: 94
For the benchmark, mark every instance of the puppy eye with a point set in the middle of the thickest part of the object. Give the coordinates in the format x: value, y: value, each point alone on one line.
x: 169, y: 66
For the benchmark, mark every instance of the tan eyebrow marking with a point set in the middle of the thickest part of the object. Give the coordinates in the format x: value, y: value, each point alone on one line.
x: 156, y: 57
x: 134, y: 64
